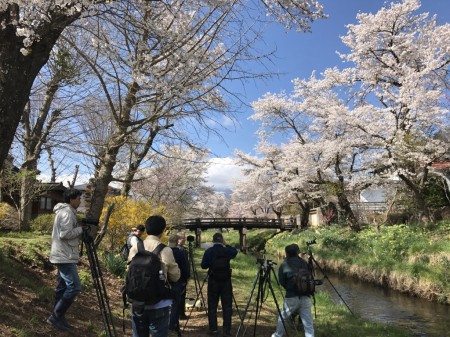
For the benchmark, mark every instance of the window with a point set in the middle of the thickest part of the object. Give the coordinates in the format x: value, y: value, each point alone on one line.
x: 46, y: 203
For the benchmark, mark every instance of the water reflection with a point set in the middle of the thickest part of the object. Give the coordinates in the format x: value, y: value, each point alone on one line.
x: 421, y: 317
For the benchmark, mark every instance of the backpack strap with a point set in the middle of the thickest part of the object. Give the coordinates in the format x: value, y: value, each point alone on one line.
x: 158, y: 249
x: 140, y: 246
x: 295, y: 269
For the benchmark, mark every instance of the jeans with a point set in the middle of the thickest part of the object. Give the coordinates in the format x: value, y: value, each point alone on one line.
x: 302, y: 305
x: 69, y: 284
x: 224, y: 291
x: 176, y: 290
x: 146, y: 321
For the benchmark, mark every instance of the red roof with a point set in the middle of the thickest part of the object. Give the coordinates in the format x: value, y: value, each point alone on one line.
x: 442, y: 165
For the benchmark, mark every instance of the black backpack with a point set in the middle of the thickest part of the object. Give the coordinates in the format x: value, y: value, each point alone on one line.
x: 304, y: 281
x: 145, y: 281
x: 220, y: 266
x: 124, y: 252
x: 125, y: 249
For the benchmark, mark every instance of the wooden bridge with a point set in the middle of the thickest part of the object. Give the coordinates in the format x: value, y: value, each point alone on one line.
x: 241, y: 224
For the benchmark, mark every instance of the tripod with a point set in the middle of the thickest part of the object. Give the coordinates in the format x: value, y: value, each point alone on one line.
x: 100, y: 289
x: 311, y: 262
x: 198, y: 288
x: 265, y: 269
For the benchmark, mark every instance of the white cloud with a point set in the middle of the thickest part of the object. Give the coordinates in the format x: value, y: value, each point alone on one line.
x: 222, y: 172
x: 65, y: 179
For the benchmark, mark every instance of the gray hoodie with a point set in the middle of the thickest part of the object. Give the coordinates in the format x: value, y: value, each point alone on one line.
x: 66, y: 235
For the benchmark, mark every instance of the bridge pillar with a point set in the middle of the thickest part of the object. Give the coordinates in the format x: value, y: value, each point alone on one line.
x: 243, y: 239
x: 198, y: 237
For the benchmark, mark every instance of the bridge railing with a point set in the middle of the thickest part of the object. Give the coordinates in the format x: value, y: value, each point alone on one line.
x: 237, y: 223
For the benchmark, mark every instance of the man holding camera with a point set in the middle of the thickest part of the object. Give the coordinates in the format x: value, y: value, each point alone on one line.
x: 293, y: 302
x: 217, y: 260
x: 65, y: 255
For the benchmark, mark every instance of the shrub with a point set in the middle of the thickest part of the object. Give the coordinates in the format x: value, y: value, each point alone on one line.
x: 86, y: 279
x: 9, y: 218
x: 43, y: 223
x: 115, y: 265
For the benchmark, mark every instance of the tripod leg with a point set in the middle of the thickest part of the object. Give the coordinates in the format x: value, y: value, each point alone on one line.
x: 276, y: 301
x: 312, y: 259
x: 99, y: 285
x: 195, y: 301
x: 259, y: 300
x: 235, y: 303
x: 198, y: 288
x: 248, y: 304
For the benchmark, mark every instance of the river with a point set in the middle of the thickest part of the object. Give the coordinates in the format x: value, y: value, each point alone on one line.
x: 423, y: 318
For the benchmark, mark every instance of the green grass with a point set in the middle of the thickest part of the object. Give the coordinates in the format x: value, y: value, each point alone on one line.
x: 408, y: 251
x: 332, y: 319
x: 411, y: 252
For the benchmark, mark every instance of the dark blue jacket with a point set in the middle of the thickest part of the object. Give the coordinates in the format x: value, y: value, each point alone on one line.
x: 181, y: 260
x: 209, y: 253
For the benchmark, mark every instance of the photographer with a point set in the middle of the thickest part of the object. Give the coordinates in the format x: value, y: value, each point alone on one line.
x: 182, y: 304
x: 293, y: 303
x: 178, y: 286
x: 217, y: 260
x: 65, y: 255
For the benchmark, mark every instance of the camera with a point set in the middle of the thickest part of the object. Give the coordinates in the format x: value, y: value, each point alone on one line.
x: 261, y: 261
x: 190, y: 238
x: 265, y: 263
x: 90, y: 222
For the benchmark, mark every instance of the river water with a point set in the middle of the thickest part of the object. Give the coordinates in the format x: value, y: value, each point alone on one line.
x: 423, y: 318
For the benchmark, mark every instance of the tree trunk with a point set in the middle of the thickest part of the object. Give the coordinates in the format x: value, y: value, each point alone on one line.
x: 344, y: 204
x: 304, y: 217
x: 306, y: 208
x: 342, y: 197
x: 423, y: 213
x: 25, y: 204
x: 18, y: 72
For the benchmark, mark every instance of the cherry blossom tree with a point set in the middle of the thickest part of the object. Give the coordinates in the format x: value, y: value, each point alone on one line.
x: 45, y: 117
x: 29, y: 30
x: 160, y: 75
x: 380, y: 118
x: 260, y: 192
x: 175, y: 179
x: 401, y: 76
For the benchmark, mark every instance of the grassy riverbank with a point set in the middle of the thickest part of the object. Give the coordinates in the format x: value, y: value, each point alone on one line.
x: 332, y: 319
x: 406, y: 258
x: 410, y: 259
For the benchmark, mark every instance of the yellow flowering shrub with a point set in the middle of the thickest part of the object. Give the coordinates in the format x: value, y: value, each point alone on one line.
x: 127, y: 213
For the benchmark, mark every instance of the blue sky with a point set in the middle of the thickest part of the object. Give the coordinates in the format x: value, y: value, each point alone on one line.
x: 298, y: 55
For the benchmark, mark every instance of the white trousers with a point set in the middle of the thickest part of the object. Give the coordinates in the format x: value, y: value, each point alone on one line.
x: 300, y: 305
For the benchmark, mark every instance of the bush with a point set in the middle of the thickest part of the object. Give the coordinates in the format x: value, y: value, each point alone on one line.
x: 86, y: 279
x: 43, y: 223
x: 9, y: 218
x: 115, y: 265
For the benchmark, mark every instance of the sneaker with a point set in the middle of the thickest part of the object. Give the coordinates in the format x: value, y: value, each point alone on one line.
x: 57, y: 323
x: 65, y: 323
x: 212, y: 333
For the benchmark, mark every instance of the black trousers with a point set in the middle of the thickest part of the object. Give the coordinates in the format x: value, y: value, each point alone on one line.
x: 220, y: 290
